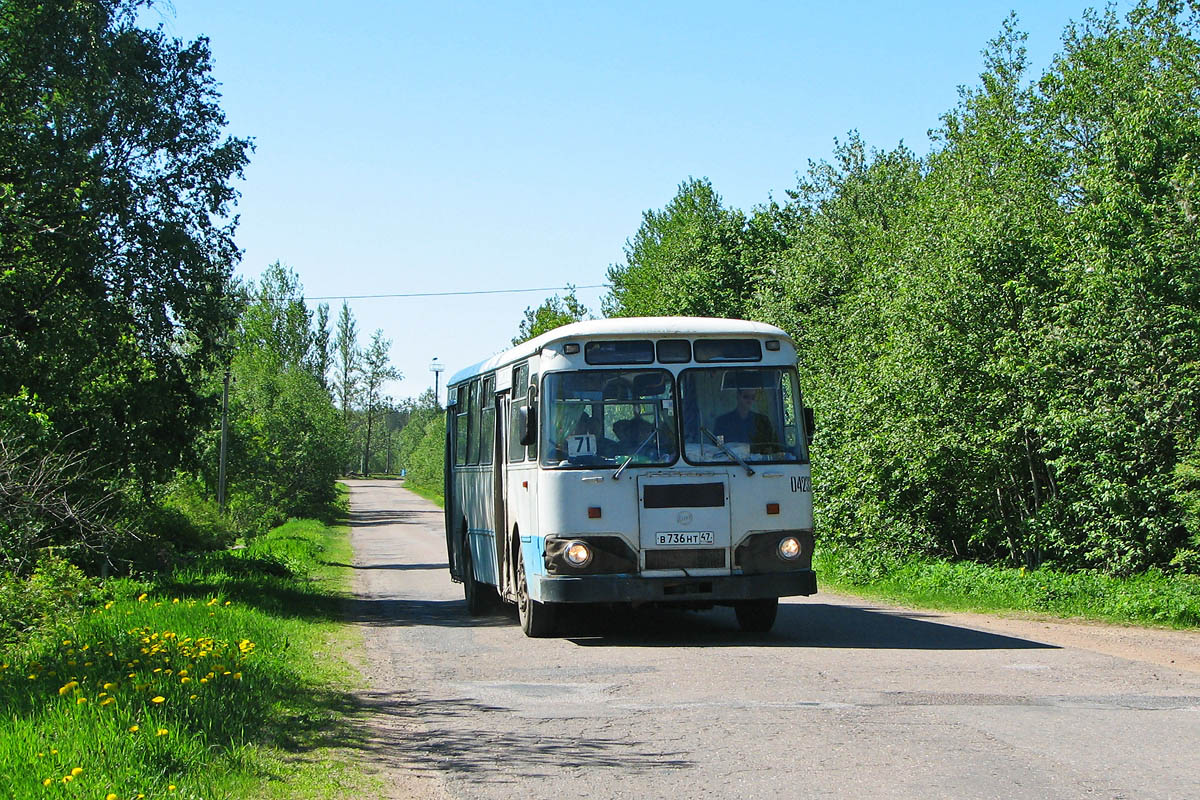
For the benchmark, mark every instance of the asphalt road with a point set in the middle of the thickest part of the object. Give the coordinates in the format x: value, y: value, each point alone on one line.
x: 842, y: 699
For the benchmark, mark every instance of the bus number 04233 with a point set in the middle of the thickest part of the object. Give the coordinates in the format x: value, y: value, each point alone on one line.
x: 801, y: 483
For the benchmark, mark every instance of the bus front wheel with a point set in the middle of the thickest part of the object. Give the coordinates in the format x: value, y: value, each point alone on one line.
x: 538, y: 620
x: 756, y: 616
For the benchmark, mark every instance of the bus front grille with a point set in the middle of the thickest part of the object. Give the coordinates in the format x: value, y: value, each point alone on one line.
x: 707, y: 558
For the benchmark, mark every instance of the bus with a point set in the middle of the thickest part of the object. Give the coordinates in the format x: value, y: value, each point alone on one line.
x: 632, y: 461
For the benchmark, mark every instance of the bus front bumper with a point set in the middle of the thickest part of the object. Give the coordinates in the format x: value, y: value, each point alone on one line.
x: 708, y: 588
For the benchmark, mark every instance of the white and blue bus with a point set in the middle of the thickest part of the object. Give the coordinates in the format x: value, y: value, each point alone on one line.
x: 658, y: 460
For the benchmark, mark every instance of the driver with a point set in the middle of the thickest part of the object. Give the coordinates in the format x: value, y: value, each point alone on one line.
x: 746, y: 426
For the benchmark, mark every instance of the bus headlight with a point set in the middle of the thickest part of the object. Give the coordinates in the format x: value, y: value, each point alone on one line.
x: 789, y: 548
x: 578, y: 554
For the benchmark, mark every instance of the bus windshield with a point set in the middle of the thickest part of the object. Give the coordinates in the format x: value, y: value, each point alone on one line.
x: 603, y: 418
x: 752, y: 412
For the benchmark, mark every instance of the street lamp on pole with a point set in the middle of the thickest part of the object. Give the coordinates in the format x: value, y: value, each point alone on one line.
x: 436, y: 368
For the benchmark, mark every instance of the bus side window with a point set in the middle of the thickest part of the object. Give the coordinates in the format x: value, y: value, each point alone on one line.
x: 473, y: 434
x: 520, y: 388
x: 487, y: 421
x: 460, y: 427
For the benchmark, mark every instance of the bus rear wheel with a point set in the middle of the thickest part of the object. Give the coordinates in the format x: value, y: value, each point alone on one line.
x: 538, y: 620
x: 474, y: 592
x: 756, y: 616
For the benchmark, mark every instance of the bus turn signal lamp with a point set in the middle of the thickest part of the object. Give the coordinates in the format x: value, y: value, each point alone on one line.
x: 789, y: 548
x: 772, y: 508
x: 593, y: 512
x: 578, y: 554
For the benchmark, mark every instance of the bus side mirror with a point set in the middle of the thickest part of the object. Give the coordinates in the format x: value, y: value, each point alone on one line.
x: 810, y: 425
x: 526, y: 425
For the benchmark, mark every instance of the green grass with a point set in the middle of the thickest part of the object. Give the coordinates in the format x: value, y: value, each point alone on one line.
x: 432, y: 495
x: 1151, y: 598
x: 216, y: 682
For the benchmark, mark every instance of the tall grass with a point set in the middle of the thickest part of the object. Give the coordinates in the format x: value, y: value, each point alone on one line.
x: 1153, y: 597
x: 203, y: 685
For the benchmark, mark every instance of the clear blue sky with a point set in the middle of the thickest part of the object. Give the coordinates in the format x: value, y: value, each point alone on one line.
x: 433, y: 147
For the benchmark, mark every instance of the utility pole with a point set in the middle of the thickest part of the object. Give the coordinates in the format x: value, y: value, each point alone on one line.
x: 436, y: 368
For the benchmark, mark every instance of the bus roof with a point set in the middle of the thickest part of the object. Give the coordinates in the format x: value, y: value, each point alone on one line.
x: 623, y: 327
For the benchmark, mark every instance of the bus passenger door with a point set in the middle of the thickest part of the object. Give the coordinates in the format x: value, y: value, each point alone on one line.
x: 500, y: 489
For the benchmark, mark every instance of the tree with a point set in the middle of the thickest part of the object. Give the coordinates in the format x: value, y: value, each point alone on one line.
x: 686, y: 259
x: 551, y: 314
x: 321, y: 358
x: 288, y: 443
x: 347, y: 358
x: 375, y: 372
x: 116, y: 234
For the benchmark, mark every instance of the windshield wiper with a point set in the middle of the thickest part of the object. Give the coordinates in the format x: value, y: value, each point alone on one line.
x: 637, y: 450
x: 726, y: 450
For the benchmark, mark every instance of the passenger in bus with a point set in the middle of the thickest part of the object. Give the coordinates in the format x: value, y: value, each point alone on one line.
x: 631, y: 433
x: 743, y: 425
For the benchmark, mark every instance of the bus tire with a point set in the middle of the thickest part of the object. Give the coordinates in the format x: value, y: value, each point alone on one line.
x: 756, y: 616
x: 538, y: 620
x: 474, y: 592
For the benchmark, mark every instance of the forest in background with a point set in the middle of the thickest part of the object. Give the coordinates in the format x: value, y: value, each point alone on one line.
x: 1001, y: 338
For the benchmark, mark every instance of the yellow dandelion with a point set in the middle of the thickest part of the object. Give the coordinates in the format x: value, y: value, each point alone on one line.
x: 176, y: 600
x: 185, y: 680
x: 171, y: 788
x: 108, y: 701
x: 53, y: 751
x: 108, y: 605
x: 183, y: 672
x: 108, y: 687
x: 81, y: 701
x: 77, y: 771
x: 67, y: 778
x: 161, y: 732
x: 158, y: 699
x: 64, y: 689
x: 237, y: 676
x: 134, y: 728
x: 48, y: 781
x: 193, y: 697
x: 142, y: 597
x: 111, y: 796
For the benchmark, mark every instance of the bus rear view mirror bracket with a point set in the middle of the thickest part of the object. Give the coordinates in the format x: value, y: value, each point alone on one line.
x: 526, y: 425
x: 810, y: 424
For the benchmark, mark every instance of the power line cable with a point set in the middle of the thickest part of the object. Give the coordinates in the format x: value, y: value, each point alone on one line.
x: 456, y: 294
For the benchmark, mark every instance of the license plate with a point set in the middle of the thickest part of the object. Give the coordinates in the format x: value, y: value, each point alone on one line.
x: 669, y: 538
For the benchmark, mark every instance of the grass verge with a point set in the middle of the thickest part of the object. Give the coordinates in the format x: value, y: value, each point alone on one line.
x: 1151, y: 598
x: 215, y: 682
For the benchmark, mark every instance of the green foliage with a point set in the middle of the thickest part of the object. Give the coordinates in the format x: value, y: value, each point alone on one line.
x: 422, y: 446
x: 693, y: 258
x: 116, y: 231
x: 207, y: 684
x: 287, y: 442
x: 1152, y: 597
x: 1000, y: 339
x: 551, y: 314
x: 53, y: 594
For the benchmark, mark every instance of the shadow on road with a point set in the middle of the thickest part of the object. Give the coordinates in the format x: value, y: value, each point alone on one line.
x: 798, y: 625
x: 803, y: 625
x: 374, y: 519
x: 443, y: 744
